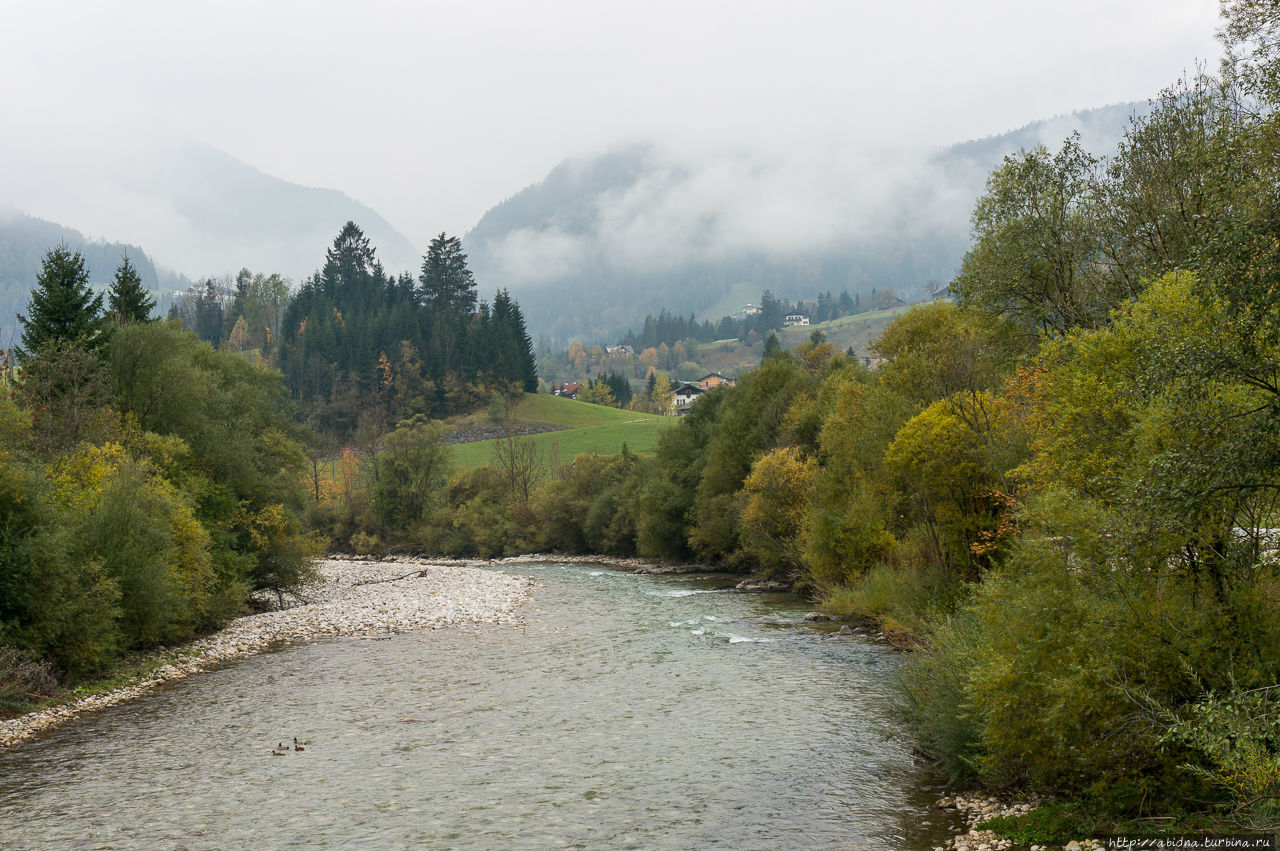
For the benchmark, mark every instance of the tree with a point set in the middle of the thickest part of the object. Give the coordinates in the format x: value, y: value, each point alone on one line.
x: 208, y: 318
x: 1251, y: 36
x: 239, y: 339
x: 518, y: 463
x: 777, y: 491
x: 411, y: 473
x: 1036, y: 243
x: 128, y: 301
x: 448, y: 292
x: 597, y: 392
x: 65, y: 387
x: 63, y: 308
x: 771, y: 312
x: 662, y: 398
x: 447, y: 286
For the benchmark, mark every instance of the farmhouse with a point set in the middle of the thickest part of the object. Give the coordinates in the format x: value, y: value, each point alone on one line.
x: 795, y: 319
x: 686, y: 395
x: 714, y: 379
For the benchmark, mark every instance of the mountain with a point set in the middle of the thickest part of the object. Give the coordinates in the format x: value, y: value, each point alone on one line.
x: 602, y: 241
x: 23, y: 243
x: 199, y: 210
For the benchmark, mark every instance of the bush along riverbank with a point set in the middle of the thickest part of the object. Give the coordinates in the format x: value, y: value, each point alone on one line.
x: 354, y: 598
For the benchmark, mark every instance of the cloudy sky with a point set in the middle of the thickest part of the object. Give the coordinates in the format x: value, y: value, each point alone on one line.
x: 431, y: 112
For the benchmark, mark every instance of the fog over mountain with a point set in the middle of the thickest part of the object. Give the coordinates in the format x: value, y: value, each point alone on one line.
x: 196, y: 209
x: 604, y: 240
x: 589, y: 250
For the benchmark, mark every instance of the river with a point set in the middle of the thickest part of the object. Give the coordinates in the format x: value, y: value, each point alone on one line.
x: 626, y: 711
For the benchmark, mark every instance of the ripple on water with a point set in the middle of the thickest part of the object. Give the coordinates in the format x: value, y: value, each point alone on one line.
x: 583, y: 726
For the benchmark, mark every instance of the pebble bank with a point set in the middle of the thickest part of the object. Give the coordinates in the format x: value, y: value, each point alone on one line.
x: 353, y: 597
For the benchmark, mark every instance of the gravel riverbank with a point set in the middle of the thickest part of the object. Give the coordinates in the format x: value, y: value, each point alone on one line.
x: 354, y: 597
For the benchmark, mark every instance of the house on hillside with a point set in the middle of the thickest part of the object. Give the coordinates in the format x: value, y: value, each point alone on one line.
x: 568, y: 390
x: 619, y: 351
x: 751, y: 310
x: 794, y: 319
x: 686, y: 395
x: 714, y: 379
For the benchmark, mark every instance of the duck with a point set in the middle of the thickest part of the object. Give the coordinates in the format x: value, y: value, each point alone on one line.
x: 299, y: 746
x: 275, y: 752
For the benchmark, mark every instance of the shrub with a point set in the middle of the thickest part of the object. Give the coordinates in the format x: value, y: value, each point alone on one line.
x: 411, y: 474
x: 1238, y: 736
x: 23, y: 679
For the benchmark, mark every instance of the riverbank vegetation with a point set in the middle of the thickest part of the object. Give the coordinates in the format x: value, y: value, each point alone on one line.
x: 153, y: 474
x: 148, y: 482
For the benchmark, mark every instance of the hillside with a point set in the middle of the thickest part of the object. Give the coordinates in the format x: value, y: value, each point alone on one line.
x: 602, y: 241
x: 580, y: 428
x: 204, y: 212
x: 855, y: 332
x: 23, y: 243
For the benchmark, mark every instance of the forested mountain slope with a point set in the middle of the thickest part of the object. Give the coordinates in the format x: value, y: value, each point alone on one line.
x: 24, y: 241
x: 602, y: 241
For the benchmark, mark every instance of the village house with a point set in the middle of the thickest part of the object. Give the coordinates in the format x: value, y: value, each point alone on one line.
x: 794, y: 319
x: 686, y: 395
x: 567, y: 390
x: 714, y: 379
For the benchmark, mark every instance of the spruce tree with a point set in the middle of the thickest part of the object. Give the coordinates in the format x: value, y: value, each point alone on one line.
x: 128, y: 301
x: 447, y: 284
x: 63, y: 308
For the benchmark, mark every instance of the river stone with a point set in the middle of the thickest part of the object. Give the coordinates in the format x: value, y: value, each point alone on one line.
x: 351, y: 597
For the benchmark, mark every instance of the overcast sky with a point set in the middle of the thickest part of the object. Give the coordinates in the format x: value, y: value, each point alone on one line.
x: 431, y: 112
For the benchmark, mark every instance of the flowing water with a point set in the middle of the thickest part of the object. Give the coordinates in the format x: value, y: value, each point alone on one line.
x: 626, y: 711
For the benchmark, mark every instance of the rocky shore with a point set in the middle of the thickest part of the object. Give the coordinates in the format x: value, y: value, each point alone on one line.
x: 634, y: 565
x: 353, y: 597
x: 976, y: 809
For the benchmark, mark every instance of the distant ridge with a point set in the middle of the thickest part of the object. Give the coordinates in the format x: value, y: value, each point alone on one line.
x: 23, y: 243
x: 203, y: 212
x: 242, y: 217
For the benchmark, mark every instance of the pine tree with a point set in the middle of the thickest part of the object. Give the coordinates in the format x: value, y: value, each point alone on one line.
x: 62, y: 308
x: 448, y: 293
x: 128, y: 301
x: 208, y: 318
x: 447, y: 284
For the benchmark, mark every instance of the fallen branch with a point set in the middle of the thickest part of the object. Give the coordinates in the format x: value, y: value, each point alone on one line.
x: 419, y: 573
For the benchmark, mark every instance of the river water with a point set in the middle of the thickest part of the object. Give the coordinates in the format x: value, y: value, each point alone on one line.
x: 626, y: 711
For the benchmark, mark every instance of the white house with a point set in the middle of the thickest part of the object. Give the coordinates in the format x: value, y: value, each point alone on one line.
x: 686, y: 394
x: 795, y: 319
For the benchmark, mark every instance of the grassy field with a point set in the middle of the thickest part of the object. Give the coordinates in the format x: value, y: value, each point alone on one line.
x: 731, y: 303
x: 584, y: 428
x: 858, y: 330
x: 545, y: 409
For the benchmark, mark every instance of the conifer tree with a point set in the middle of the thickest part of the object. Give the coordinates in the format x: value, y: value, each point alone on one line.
x: 63, y: 308
x: 127, y: 300
x: 447, y: 284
